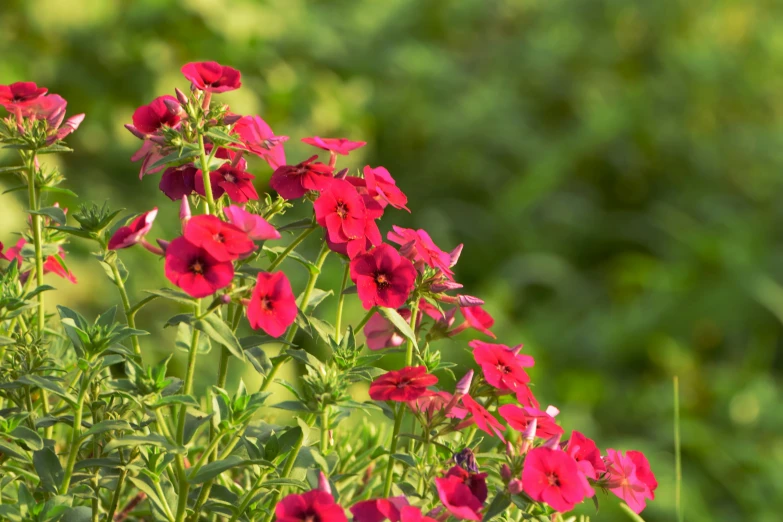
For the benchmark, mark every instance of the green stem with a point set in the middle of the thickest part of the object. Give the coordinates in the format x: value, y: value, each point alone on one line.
x: 395, y: 436
x: 366, y: 318
x: 677, y: 452
x: 129, y: 314
x: 289, y: 465
x: 75, y: 444
x: 115, y: 498
x: 409, y: 347
x: 325, y: 430
x: 165, y: 503
x: 36, y: 222
x: 290, y: 248
x: 205, y: 456
x: 205, y: 174
x: 340, y: 301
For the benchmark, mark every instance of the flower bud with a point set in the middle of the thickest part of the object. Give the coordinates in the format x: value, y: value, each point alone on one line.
x: 225, y: 299
x: 515, y: 487
x: 323, y: 483
x: 463, y: 385
x: 454, y: 255
x: 163, y: 244
x: 466, y: 301
x: 160, y: 140
x: 505, y: 472
x: 181, y: 96
x: 231, y: 118
x: 516, y: 349
x: 174, y: 107
x: 509, y: 449
x: 444, y: 286
x: 136, y: 132
x: 529, y: 435
x: 553, y: 442
x: 342, y: 174
x: 184, y: 211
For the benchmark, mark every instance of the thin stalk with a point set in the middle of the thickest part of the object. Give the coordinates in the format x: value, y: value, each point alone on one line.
x: 37, y: 239
x: 325, y: 430
x: 75, y: 444
x: 290, y: 248
x: 115, y: 498
x: 340, y: 301
x: 205, y: 455
x: 366, y: 318
x: 409, y: 347
x: 163, y: 500
x: 677, y: 452
x: 395, y: 436
x: 205, y: 174
x: 129, y: 314
x: 289, y: 465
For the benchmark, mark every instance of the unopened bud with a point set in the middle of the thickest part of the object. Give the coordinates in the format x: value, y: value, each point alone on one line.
x: 444, y: 286
x: 160, y: 140
x: 231, y: 118
x: 454, y: 255
x: 136, y: 132
x: 323, y: 483
x: 173, y: 106
x: 225, y: 299
x: 509, y: 449
x: 184, y: 211
x: 342, y: 174
x: 553, y: 442
x: 466, y: 301
x: 181, y: 96
x: 463, y: 385
x: 516, y: 349
x: 530, y: 430
x: 505, y: 472
x: 515, y: 487
x: 163, y: 244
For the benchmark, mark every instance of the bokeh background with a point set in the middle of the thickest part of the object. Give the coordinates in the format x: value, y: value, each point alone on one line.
x: 612, y: 166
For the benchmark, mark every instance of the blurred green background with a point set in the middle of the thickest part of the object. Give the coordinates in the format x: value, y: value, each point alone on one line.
x: 612, y: 166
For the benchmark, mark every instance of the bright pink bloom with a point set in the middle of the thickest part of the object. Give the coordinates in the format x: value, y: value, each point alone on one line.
x: 235, y: 182
x: 222, y: 240
x: 484, y: 420
x: 380, y: 333
x: 586, y: 454
x: 478, y: 319
x: 19, y: 93
x: 413, y: 514
x: 194, y: 270
x: 630, y: 478
x: 476, y: 482
x: 360, y: 245
x: 51, y: 264
x: 519, y: 417
x: 211, y: 76
x: 457, y: 495
x: 272, y: 306
x: 337, y: 145
x: 432, y: 402
x: 380, y: 185
x: 178, y: 182
x: 313, y: 506
x: 503, y: 368
x: 340, y: 210
x: 257, y: 137
x: 254, y: 226
x: 150, y: 118
x: 402, y: 385
x: 383, y: 277
x: 419, y: 248
x: 134, y: 232
x: 379, y: 509
x: 552, y: 476
x: 294, y: 181
x: 70, y: 125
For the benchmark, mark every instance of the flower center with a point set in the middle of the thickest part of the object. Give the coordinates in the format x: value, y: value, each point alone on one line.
x: 503, y: 369
x: 266, y: 304
x: 553, y: 480
x: 219, y: 238
x: 342, y: 209
x: 382, y: 280
x: 197, y: 267
x: 230, y: 177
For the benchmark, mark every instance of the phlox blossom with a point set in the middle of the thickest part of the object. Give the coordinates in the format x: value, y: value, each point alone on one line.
x: 222, y: 240
x: 134, y: 232
x: 195, y: 270
x: 383, y: 277
x: 313, y: 506
x: 340, y: 146
x: 552, y: 476
x: 211, y: 76
x: 272, y: 305
x: 402, y: 385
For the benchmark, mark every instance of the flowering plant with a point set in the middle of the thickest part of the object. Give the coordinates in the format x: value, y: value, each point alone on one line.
x: 89, y: 430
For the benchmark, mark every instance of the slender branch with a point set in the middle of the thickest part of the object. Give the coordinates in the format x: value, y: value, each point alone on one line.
x: 340, y: 301
x: 33, y: 202
x: 130, y: 313
x: 205, y: 173
x: 289, y: 465
x: 290, y: 248
x: 395, y: 437
x: 75, y: 443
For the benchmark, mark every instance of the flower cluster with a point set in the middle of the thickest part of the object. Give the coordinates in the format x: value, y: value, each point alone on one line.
x: 136, y: 445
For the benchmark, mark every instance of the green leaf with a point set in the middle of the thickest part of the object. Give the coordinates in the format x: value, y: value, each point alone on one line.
x: 77, y: 514
x: 296, y: 225
x: 220, y: 332
x: 57, y: 147
x: 499, y: 505
x: 144, y: 483
x: 405, y: 459
x: 300, y: 484
x: 49, y: 469
x: 174, y: 157
x: 394, y: 317
x: 107, y: 425
x: 187, y: 400
x: 61, y: 191
x: 316, y: 297
x: 48, y: 385
x: 185, y: 338
x: 5, y: 341
x: 324, y: 329
x: 13, y: 450
x: 213, y: 469
x: 142, y: 440
x: 173, y: 295
x: 30, y: 438
x: 55, y: 213
x: 220, y: 137
x: 11, y: 170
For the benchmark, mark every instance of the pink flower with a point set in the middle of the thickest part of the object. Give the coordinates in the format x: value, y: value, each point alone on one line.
x: 52, y: 109
x: 478, y: 319
x: 402, y: 385
x: 178, y: 182
x: 380, y: 333
x: 419, y: 248
x: 19, y: 93
x: 359, y: 245
x: 413, y: 514
x: 457, y: 496
x: 51, y: 264
x: 380, y: 185
x: 503, y: 368
x: 630, y: 478
x: 194, y: 270
x: 552, y: 476
x: 379, y: 509
x: 294, y: 181
x: 254, y: 226
x: 519, y: 417
x: 430, y: 403
x: 257, y: 137
x: 222, y: 240
x: 383, y: 277
x: 337, y: 145
x: 131, y: 234
x: 340, y: 210
x: 235, y: 182
x: 484, y: 420
x: 272, y: 306
x: 586, y: 454
x: 211, y: 76
x: 150, y: 118
x: 313, y: 506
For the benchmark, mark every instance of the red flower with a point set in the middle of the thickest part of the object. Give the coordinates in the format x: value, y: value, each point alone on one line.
x: 337, y: 145
x: 272, y: 306
x: 254, y: 226
x: 340, y: 210
x: 586, y: 454
x: 402, y: 385
x: 19, y: 93
x: 413, y: 514
x: 419, y: 248
x: 294, y: 181
x: 194, y: 270
x: 383, y: 277
x: 52, y: 109
x: 484, y: 420
x: 211, y: 76
x: 458, y: 497
x: 222, y: 240
x: 257, y: 137
x: 478, y: 319
x: 432, y: 402
x: 51, y: 264
x: 503, y: 368
x: 380, y: 333
x: 381, y: 186
x: 518, y: 418
x: 379, y: 509
x: 360, y: 245
x: 131, y: 234
x: 552, y: 476
x: 233, y: 181
x: 178, y: 182
x: 150, y: 118
x: 313, y: 506
x: 630, y: 478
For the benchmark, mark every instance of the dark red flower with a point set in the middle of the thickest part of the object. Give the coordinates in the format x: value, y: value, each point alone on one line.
x: 211, y: 76
x: 402, y: 385
x: 519, y: 417
x: 272, y: 306
x: 294, y: 181
x: 179, y: 182
x: 255, y: 226
x: 194, y: 270
x: 503, y: 367
x: 337, y: 145
x: 383, y: 277
x: 476, y: 482
x: 552, y: 476
x: 19, y: 93
x: 417, y: 246
x: 149, y: 118
x: 380, y: 185
x: 313, y: 506
x: 235, y: 182
x: 134, y: 232
x: 483, y: 419
x: 257, y: 137
x: 340, y: 210
x: 222, y: 240
x: 379, y: 509
x: 586, y: 454
x: 360, y: 245
x: 458, y: 497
